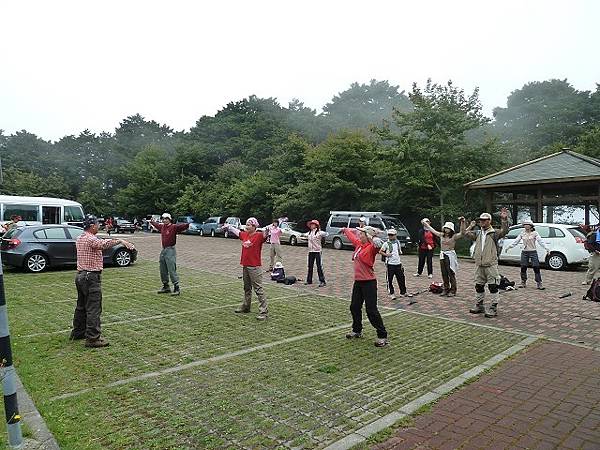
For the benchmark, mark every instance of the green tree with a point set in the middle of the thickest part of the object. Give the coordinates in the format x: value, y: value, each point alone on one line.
x: 20, y: 182
x: 364, y: 105
x: 429, y: 158
x: 94, y: 197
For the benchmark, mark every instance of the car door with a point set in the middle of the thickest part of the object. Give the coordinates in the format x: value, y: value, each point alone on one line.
x: 60, y: 247
x: 513, y: 254
x: 74, y: 233
x: 549, y: 242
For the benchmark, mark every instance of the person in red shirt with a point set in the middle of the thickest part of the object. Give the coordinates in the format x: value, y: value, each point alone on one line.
x: 168, y: 256
x: 251, y: 262
x: 86, y: 319
x: 426, y: 246
x: 366, y: 248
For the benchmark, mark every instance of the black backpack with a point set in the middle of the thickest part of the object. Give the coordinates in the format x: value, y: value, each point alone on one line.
x: 593, y: 292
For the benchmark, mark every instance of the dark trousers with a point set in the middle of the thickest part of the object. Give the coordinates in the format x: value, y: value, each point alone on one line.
x: 86, y: 320
x: 366, y: 292
x: 396, y: 270
x: 528, y: 256
x: 448, y: 276
x: 425, y: 255
x: 312, y: 257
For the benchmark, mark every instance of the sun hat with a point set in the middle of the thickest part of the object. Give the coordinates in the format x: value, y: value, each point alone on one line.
x: 314, y: 221
x: 392, y: 231
x: 527, y: 222
x: 166, y: 216
x: 485, y: 216
x: 278, y: 265
x: 253, y: 221
x: 449, y: 225
x: 370, y: 231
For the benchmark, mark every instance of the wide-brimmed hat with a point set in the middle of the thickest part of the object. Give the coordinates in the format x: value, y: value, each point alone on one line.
x: 485, y: 216
x: 314, y: 221
x: 370, y: 231
x: 449, y: 225
x: 253, y: 221
x: 392, y: 231
x: 166, y: 216
x: 278, y: 265
x: 527, y: 222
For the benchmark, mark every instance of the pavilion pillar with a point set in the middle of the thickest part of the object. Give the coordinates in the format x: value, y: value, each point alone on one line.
x: 539, y: 210
x: 488, y: 201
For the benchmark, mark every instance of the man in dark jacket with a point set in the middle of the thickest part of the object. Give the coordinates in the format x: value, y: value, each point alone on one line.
x: 426, y: 246
x: 168, y: 257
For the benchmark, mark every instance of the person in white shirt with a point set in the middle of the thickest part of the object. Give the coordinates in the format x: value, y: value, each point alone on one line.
x: 392, y: 251
x: 315, y: 235
x: 530, y: 238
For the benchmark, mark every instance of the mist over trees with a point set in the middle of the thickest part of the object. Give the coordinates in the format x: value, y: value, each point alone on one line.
x: 374, y: 147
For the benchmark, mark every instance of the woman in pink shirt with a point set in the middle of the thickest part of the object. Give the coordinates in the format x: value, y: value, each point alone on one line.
x: 314, y: 252
x: 366, y: 248
x: 274, y: 233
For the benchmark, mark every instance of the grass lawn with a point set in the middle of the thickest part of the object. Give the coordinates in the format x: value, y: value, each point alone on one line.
x: 169, y: 379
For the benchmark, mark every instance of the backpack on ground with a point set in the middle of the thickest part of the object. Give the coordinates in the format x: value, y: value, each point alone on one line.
x: 593, y: 293
x: 436, y: 287
x: 505, y: 284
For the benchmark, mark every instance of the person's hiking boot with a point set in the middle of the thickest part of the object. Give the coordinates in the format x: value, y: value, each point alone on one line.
x: 353, y: 335
x: 583, y: 283
x: 176, y: 290
x: 451, y: 294
x: 322, y: 284
x: 262, y: 316
x: 164, y: 290
x: 540, y: 286
x: 306, y: 283
x: 382, y: 342
x: 416, y: 274
x: 478, y: 308
x: 241, y: 310
x: 76, y: 337
x: 430, y: 276
x: 96, y: 343
x: 523, y: 284
x: 492, y: 311
x: 393, y: 297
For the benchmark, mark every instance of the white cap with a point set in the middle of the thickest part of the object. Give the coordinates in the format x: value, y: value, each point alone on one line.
x: 485, y: 216
x: 278, y: 265
x: 392, y: 231
x: 449, y: 225
x: 166, y: 216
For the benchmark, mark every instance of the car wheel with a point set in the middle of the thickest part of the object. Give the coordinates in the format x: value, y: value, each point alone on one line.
x: 212, y: 233
x: 556, y: 261
x: 122, y: 258
x: 36, y: 262
x: 337, y: 243
x: 293, y: 240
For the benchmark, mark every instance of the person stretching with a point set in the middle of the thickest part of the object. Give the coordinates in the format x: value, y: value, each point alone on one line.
x: 529, y: 253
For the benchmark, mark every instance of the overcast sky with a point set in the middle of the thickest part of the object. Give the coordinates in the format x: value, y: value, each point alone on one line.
x: 71, y: 65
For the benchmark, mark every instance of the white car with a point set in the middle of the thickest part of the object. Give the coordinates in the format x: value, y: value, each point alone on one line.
x: 564, y: 241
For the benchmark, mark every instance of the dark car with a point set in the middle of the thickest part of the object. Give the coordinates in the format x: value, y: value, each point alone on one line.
x: 195, y: 226
x: 36, y: 248
x: 123, y: 226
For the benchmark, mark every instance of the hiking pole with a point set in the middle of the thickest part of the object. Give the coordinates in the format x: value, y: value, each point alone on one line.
x: 8, y: 375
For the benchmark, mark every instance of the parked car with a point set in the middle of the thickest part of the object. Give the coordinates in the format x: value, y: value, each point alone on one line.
x: 155, y: 218
x: 566, y: 244
x: 36, y: 248
x: 291, y: 234
x: 236, y: 222
x: 210, y: 226
x: 195, y: 225
x: 123, y: 226
x: 349, y: 219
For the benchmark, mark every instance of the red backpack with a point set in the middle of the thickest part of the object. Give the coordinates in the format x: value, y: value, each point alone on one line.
x: 593, y: 292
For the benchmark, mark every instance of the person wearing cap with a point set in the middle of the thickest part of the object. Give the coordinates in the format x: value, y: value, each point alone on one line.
x: 392, y: 251
x: 448, y: 258
x: 168, y: 256
x: 529, y: 253
x: 364, y: 290
x: 426, y: 246
x: 315, y: 247
x: 251, y: 262
x: 486, y: 261
x: 86, y: 319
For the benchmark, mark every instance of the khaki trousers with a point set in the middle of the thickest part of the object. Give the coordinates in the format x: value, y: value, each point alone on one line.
x: 253, y: 280
x: 593, y: 271
x: 275, y: 253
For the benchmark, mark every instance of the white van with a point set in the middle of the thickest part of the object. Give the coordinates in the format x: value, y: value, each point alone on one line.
x: 41, y: 210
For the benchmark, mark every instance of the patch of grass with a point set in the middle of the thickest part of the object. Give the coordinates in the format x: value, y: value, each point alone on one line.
x: 306, y: 392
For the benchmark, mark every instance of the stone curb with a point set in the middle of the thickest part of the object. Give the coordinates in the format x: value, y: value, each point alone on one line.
x: 388, y: 420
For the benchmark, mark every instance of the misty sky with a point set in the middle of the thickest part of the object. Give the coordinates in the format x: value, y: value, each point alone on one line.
x: 70, y: 65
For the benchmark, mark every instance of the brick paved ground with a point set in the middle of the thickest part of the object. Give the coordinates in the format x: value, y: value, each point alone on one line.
x: 547, y: 398
x: 532, y: 311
